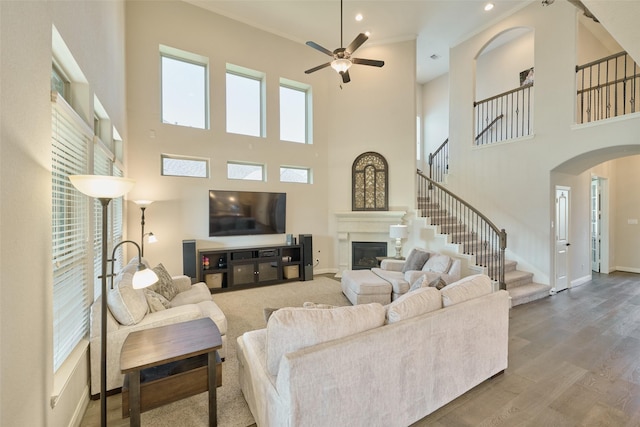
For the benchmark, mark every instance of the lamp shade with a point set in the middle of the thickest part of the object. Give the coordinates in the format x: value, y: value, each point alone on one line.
x: 398, y: 231
x: 143, y: 203
x: 143, y: 278
x: 152, y: 238
x: 102, y: 186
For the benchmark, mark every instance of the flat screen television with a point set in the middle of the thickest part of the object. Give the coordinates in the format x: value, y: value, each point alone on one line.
x: 239, y: 213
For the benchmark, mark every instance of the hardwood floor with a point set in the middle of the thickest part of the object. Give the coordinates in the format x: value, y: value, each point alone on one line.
x: 574, y: 360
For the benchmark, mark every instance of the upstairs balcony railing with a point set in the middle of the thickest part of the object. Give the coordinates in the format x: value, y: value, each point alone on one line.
x: 504, y: 116
x: 465, y: 225
x: 607, y: 88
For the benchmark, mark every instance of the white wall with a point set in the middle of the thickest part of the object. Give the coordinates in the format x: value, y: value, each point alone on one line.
x: 435, y: 113
x: 374, y: 112
x: 523, y: 203
x: 94, y: 32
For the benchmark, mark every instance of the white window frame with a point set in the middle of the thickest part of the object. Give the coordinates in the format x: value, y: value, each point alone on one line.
x: 308, y: 113
x: 263, y: 172
x: 164, y: 172
x: 294, y: 168
x: 260, y: 77
x: 188, y: 58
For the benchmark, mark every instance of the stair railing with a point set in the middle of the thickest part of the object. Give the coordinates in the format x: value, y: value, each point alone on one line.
x: 513, y: 106
x: 608, y: 87
x: 466, y: 226
x: 439, y: 162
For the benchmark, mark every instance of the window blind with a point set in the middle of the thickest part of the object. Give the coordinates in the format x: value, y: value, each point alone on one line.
x: 70, y: 142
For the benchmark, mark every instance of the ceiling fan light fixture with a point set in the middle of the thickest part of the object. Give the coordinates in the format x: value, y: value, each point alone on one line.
x: 341, y: 65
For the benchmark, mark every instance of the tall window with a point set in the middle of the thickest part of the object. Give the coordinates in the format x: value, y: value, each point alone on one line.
x: 295, y: 117
x: 245, y: 101
x: 184, y: 88
x: 70, y: 143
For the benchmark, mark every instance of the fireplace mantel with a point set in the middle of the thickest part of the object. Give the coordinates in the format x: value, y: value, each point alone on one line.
x: 363, y: 226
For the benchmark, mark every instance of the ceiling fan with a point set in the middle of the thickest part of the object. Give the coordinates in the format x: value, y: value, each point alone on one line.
x: 342, y: 59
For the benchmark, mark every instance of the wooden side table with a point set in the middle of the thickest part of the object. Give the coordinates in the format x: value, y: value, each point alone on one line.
x: 164, y: 345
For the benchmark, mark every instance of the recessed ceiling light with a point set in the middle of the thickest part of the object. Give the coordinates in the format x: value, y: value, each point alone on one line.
x: 435, y: 56
x: 488, y: 7
x: 359, y: 17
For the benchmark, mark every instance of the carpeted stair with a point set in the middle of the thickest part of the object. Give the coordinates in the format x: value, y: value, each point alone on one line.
x: 519, y: 283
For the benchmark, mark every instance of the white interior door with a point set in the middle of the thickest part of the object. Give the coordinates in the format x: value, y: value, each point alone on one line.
x: 562, y: 238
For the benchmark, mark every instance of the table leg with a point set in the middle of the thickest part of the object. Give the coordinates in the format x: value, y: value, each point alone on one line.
x: 213, y: 407
x: 134, y: 399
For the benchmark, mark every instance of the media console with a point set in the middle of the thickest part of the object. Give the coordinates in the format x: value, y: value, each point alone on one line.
x: 228, y: 269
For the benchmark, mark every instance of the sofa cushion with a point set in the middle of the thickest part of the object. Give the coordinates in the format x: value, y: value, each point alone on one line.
x: 416, y: 259
x: 415, y: 303
x: 128, y: 305
x: 396, y: 279
x: 437, y: 263
x: 467, y: 288
x: 164, y: 286
x: 290, y: 329
x: 199, y: 292
x: 156, y: 301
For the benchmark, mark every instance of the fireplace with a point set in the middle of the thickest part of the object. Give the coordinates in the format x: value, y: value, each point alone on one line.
x: 364, y: 254
x: 362, y: 226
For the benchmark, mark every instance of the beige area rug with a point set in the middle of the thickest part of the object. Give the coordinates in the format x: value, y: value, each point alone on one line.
x: 245, y: 312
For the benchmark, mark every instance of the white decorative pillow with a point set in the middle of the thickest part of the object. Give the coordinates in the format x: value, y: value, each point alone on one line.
x: 128, y: 305
x: 437, y: 263
x: 156, y: 301
x: 420, y: 301
x: 465, y: 289
x: 291, y: 329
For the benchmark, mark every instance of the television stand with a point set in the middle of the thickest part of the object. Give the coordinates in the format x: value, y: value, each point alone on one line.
x: 236, y: 268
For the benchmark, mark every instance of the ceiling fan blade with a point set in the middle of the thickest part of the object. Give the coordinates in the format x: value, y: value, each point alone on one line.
x: 357, y: 42
x: 319, y: 67
x: 372, y: 62
x: 345, y: 77
x: 316, y: 46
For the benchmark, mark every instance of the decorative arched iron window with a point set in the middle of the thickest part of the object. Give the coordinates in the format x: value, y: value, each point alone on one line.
x: 370, y: 181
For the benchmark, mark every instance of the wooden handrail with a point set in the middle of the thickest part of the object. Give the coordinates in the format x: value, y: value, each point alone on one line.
x: 487, y: 240
x: 489, y: 126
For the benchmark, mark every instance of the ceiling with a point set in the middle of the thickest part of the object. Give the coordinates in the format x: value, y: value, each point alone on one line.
x: 437, y: 25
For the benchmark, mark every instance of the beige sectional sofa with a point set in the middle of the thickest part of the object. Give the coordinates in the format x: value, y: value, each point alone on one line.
x: 394, y: 278
x: 136, y: 309
x: 374, y: 365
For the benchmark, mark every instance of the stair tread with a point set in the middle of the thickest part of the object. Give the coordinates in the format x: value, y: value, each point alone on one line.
x: 527, y: 293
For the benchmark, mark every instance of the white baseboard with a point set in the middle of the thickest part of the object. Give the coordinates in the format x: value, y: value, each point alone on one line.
x: 81, y: 408
x: 580, y: 281
x: 627, y: 269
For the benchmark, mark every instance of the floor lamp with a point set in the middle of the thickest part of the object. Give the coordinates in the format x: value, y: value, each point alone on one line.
x: 144, y: 204
x: 106, y: 188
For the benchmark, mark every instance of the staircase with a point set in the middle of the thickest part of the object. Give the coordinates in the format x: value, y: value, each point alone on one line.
x: 470, y: 239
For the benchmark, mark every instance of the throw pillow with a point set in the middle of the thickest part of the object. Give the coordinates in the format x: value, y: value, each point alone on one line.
x: 164, y: 286
x: 437, y: 283
x: 437, y: 263
x: 291, y: 329
x: 128, y: 305
x: 465, y: 289
x: 156, y: 301
x: 416, y: 259
x: 421, y: 301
